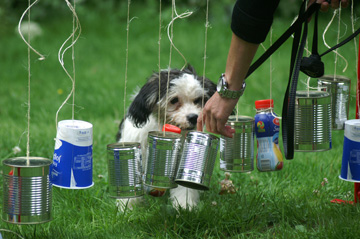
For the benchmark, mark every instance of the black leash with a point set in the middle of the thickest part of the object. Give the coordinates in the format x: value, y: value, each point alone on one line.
x: 311, y: 66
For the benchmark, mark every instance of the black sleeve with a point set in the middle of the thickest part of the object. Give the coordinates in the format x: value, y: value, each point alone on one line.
x: 252, y: 19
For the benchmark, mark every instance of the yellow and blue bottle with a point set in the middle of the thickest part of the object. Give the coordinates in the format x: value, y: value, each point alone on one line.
x: 267, y: 127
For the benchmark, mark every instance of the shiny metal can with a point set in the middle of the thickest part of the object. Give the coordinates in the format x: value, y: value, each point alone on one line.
x: 27, y: 191
x: 197, y: 160
x: 163, y: 154
x: 124, y: 167
x: 237, y: 153
x: 312, y: 121
x: 339, y: 89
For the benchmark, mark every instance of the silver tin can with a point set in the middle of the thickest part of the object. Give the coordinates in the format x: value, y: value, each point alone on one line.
x: 162, y: 159
x: 197, y: 160
x: 27, y: 190
x: 339, y: 89
x: 312, y: 121
x: 237, y: 153
x: 124, y: 166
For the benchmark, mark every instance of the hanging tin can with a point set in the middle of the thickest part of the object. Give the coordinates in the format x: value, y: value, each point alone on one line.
x: 124, y: 167
x: 27, y: 191
x: 339, y: 89
x: 197, y: 160
x: 237, y: 153
x: 163, y: 156
x: 312, y: 121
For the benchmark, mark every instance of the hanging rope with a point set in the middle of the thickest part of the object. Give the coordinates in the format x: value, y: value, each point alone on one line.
x: 170, y: 34
x: 207, y: 25
x: 62, y: 52
x: 353, y: 30
x: 73, y: 65
x: 41, y: 57
x: 358, y: 87
x: 127, y: 53
x: 159, y: 63
x: 338, y: 36
x: 170, y: 26
x: 29, y: 93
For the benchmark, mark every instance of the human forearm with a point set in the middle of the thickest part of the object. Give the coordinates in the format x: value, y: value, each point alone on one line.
x: 241, y: 54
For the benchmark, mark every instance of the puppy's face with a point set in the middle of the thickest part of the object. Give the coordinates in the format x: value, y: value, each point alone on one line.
x: 183, y: 102
x: 179, y: 101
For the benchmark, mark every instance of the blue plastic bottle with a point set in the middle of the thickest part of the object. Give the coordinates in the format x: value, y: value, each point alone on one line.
x: 267, y: 126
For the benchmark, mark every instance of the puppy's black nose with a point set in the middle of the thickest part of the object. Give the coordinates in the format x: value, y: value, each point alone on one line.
x: 192, y: 118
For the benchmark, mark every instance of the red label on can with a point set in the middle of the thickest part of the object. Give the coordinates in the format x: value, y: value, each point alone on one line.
x: 276, y: 121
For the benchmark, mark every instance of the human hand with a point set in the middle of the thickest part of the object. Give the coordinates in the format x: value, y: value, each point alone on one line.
x: 215, y: 115
x: 334, y: 4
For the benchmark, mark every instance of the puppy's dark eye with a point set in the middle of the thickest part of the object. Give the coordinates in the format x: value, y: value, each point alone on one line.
x: 174, y: 100
x: 199, y: 100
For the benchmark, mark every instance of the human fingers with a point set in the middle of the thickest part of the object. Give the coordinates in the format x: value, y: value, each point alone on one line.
x: 334, y: 4
x: 200, y: 122
x: 324, y: 7
x: 345, y: 3
x: 225, y: 130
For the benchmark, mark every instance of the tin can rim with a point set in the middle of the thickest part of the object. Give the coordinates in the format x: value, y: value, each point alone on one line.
x: 22, y: 162
x: 240, y: 119
x: 123, y: 145
x: 164, y: 135
x: 311, y: 94
x: 333, y: 78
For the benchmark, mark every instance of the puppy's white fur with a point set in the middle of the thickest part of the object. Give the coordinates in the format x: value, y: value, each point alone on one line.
x: 180, y: 104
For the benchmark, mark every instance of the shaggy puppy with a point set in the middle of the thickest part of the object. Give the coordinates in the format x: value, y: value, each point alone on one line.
x: 181, y: 104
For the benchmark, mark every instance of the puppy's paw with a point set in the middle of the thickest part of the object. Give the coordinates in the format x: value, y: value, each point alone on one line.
x: 127, y: 204
x: 184, y: 197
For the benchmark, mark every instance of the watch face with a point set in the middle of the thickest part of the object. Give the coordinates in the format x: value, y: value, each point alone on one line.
x: 220, y: 85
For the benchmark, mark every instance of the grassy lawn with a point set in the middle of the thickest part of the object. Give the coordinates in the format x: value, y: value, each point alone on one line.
x: 291, y: 203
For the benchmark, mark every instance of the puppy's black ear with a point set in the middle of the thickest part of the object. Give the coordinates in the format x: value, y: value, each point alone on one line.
x: 191, y: 69
x: 145, y: 101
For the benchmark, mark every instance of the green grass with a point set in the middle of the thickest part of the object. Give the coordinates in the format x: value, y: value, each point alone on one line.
x: 267, y: 205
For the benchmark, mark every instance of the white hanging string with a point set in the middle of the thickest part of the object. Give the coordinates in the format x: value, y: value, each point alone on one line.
x: 159, y: 63
x: 270, y: 72
x: 170, y: 34
x: 41, y: 57
x: 29, y: 93
x: 356, y: 52
x: 127, y: 53
x: 338, y: 36
x: 207, y: 25
x: 337, y: 41
x: 353, y: 30
x: 185, y: 14
x: 73, y: 65
x: 62, y: 52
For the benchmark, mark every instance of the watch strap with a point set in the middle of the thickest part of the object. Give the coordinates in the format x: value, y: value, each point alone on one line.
x: 231, y: 94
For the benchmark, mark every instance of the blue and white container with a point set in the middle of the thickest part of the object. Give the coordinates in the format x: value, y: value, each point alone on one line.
x: 72, y: 161
x: 267, y: 127
x: 350, y: 168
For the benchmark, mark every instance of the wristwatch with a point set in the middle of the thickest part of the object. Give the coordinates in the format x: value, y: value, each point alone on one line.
x: 222, y: 89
